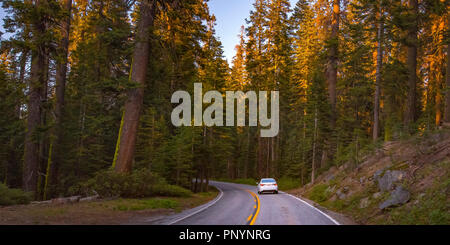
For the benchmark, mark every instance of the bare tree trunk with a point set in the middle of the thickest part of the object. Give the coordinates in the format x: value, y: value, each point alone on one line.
x: 410, y: 115
x: 125, y: 152
x: 37, y: 84
x: 376, y: 110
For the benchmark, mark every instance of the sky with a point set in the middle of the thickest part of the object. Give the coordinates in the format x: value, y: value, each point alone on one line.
x: 230, y: 16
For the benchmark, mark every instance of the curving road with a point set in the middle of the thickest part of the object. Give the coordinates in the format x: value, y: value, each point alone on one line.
x: 238, y: 204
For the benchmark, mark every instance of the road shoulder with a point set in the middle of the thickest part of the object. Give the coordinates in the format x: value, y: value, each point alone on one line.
x: 340, y: 218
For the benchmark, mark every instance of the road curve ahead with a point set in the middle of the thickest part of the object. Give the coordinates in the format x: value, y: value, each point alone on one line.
x: 239, y: 204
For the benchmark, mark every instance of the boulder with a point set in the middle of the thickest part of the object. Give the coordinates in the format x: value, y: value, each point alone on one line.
x: 389, y: 179
x: 377, y: 174
x: 364, y: 203
x: 398, y: 197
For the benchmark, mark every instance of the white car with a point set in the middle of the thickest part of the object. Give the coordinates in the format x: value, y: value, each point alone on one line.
x: 267, y: 185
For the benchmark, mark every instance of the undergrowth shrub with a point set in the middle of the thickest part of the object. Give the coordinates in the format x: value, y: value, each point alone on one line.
x: 10, y: 196
x: 137, y: 184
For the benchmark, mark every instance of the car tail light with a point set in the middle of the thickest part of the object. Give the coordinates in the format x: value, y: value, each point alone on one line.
x: 262, y: 184
x: 275, y: 184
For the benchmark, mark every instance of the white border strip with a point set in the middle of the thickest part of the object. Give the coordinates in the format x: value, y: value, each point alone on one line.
x: 326, y: 215
x: 198, y: 211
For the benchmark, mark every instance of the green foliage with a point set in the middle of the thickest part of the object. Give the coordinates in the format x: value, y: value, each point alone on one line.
x: 138, y: 184
x: 171, y: 191
x: 319, y: 193
x: 13, y: 196
x: 286, y: 183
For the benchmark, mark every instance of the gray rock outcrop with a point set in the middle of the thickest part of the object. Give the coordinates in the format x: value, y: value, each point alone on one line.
x: 398, y: 197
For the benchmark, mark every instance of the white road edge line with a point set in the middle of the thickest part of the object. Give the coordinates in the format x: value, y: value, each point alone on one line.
x: 198, y: 211
x: 326, y: 215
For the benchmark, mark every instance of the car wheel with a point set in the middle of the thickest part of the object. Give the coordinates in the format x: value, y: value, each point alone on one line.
x: 276, y: 192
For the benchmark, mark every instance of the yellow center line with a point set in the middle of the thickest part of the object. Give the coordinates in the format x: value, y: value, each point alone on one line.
x: 256, y: 206
x: 249, y: 217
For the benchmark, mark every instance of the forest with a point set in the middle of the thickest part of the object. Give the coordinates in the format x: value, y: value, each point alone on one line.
x: 86, y: 87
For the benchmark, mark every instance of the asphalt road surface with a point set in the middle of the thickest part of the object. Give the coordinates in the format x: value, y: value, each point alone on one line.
x: 239, y: 204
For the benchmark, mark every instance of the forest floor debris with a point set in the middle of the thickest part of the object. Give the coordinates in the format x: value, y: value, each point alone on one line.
x: 98, y: 212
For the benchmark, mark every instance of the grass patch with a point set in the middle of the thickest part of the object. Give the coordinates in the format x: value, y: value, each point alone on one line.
x: 319, y: 193
x: 142, y: 204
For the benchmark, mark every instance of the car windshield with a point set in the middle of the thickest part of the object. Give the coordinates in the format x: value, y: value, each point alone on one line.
x: 268, y: 181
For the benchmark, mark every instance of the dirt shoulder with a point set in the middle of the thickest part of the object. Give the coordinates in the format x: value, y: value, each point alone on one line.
x: 101, y: 212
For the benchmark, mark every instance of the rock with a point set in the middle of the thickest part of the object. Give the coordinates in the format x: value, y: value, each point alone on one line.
x: 329, y: 178
x: 377, y: 174
x: 398, y: 197
x: 388, y: 180
x: 340, y: 195
x: 376, y: 195
x: 364, y: 203
x: 345, y: 189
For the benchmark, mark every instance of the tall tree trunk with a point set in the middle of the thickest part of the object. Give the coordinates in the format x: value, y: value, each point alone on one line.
x: 60, y: 79
x: 376, y: 110
x: 126, y: 147
x: 313, y: 164
x: 43, y: 139
x: 37, y: 84
x: 331, y: 76
x: 22, y: 70
x: 331, y: 73
x: 410, y: 115
x: 447, y: 93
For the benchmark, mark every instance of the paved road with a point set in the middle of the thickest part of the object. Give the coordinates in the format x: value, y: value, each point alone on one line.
x: 240, y: 205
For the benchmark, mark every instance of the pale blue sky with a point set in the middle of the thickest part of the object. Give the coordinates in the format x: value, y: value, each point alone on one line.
x: 230, y: 15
